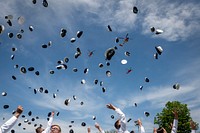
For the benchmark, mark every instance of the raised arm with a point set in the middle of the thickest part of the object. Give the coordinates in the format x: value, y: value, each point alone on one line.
x: 49, y: 123
x: 99, y: 128
x: 193, y: 126
x: 11, y: 122
x: 88, y: 129
x: 118, y: 111
x: 141, y: 128
x: 175, y: 122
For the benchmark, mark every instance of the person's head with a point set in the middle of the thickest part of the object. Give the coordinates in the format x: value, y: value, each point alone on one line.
x: 39, y: 130
x: 117, y: 124
x: 161, y: 130
x: 55, y: 129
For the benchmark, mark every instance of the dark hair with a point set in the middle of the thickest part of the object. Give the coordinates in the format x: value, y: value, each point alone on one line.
x: 38, y: 130
x: 57, y: 126
x: 117, y: 125
x: 160, y: 130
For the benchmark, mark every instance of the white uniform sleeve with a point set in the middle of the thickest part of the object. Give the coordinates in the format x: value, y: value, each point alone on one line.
x: 193, y: 131
x: 122, y: 118
x: 175, y: 126
x: 102, y: 131
x: 141, y: 129
x: 8, y: 125
x: 49, y: 123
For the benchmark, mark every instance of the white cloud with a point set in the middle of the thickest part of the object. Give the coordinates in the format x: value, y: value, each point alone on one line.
x: 178, y: 20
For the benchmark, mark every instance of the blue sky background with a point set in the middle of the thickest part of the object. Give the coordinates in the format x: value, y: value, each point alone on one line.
x: 179, y: 62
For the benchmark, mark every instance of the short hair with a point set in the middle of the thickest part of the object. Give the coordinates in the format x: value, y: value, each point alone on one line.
x: 117, y: 125
x: 160, y: 130
x: 57, y: 126
x: 38, y: 130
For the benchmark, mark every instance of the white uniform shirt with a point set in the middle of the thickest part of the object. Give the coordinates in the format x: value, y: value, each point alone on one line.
x: 49, y: 123
x: 122, y: 118
x: 141, y: 129
x: 175, y: 126
x: 8, y: 124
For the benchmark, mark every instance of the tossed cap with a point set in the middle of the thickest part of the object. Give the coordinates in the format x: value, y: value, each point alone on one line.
x: 45, y: 3
x: 96, y: 81
x: 21, y: 20
x: 94, y: 117
x: 31, y: 68
x: 135, y: 10
x: 66, y: 59
x: 159, y: 49
x: 109, y: 28
x: 14, y: 49
x: 146, y: 114
x: 124, y: 61
x: 135, y: 104
x: 100, y: 65
x: 152, y: 29
x: 141, y: 87
x: 103, y: 89
x: 29, y: 113
x: 127, y: 53
x: 51, y: 71
x: 75, y: 69
x: 74, y: 97
x: 5, y: 106
x: 155, y: 56
x: 9, y: 22
x: 9, y: 17
x: 50, y: 43
x: 13, y: 77
x: 12, y: 57
x: 63, y: 32
x: 108, y: 73
x: 83, y: 124
x: 31, y: 28
x: 19, y: 36
x: 83, y: 81
x: 129, y: 120
x: 101, y: 83
x: 72, y: 40
x: 34, y: 1
x: 86, y: 70
x: 109, y: 53
x: 22, y: 69
x: 146, y: 79
x: 10, y: 35
x: 54, y: 95
x: 116, y: 39
x: 67, y: 101
x: 71, y: 131
x: 79, y: 34
x: 44, y: 46
x: 176, y: 86
x: 37, y: 73
x: 159, y: 31
x: 2, y: 28
x: 4, y: 94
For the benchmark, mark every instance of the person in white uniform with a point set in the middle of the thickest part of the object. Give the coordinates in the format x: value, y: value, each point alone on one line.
x: 99, y: 128
x: 174, y: 127
x: 47, y: 129
x: 120, y: 124
x: 11, y: 122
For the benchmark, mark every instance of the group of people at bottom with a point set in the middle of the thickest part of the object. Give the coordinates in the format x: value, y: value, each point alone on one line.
x: 120, y: 124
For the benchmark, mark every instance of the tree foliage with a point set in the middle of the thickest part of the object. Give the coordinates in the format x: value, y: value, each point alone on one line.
x: 166, y: 117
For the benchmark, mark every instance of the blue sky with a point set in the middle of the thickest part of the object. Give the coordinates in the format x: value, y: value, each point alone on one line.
x: 179, y: 62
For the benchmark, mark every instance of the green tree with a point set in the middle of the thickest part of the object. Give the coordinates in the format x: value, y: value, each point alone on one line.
x: 166, y: 117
